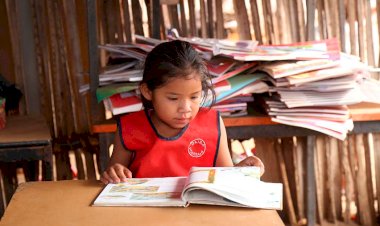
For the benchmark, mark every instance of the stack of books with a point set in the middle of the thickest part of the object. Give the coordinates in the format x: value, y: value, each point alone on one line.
x: 234, y: 81
x: 309, y: 84
x: 314, y: 94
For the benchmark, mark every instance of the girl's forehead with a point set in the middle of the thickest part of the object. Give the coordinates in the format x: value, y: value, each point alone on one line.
x: 193, y: 77
x: 179, y: 84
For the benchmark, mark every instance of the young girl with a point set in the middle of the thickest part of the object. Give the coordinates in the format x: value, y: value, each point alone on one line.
x: 173, y: 132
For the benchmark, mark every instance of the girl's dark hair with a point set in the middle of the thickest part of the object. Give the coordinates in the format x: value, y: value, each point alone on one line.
x: 174, y: 59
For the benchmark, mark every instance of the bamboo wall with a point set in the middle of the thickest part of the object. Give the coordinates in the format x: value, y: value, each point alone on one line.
x: 61, y: 56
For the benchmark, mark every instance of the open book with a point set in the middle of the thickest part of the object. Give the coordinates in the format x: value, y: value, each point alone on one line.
x: 227, y: 186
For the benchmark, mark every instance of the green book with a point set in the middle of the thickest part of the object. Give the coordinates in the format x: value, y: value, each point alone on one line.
x: 239, y: 82
x: 109, y: 90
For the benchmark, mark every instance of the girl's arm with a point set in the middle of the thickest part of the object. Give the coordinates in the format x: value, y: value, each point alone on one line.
x: 117, y: 170
x: 224, y: 156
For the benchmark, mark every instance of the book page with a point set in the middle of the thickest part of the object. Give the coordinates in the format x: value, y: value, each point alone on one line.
x: 164, y: 191
x: 233, y: 186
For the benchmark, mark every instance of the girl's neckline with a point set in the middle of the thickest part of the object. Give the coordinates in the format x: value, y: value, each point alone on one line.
x: 148, y: 114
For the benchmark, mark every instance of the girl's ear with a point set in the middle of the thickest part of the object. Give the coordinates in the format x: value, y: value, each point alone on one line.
x: 145, y: 91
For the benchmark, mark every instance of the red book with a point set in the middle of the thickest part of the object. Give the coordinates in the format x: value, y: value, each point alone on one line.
x: 239, y: 69
x: 124, y: 102
x: 219, y: 65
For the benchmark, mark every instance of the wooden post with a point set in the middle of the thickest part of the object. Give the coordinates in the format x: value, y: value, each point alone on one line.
x: 376, y: 145
x: 183, y: 18
x: 310, y: 181
x: 137, y: 18
x: 298, y: 157
x: 127, y: 21
x: 342, y: 23
x: 203, y: 19
x: 256, y: 21
x: 193, y: 27
x: 320, y: 174
x: 362, y: 183
x: 220, y: 33
x: 286, y: 184
x: 242, y: 20
x: 351, y: 21
x: 310, y: 8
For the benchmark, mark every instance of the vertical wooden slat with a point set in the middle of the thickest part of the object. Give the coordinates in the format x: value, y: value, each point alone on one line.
x: 376, y: 144
x: 62, y: 81
x: 361, y: 30
x: 351, y: 22
x: 320, y: 172
x: 281, y: 24
x: 53, y: 50
x: 156, y: 19
x: 328, y: 18
x: 137, y: 18
x: 173, y: 16
x: 242, y: 20
x: 219, y: 23
x: 110, y: 20
x: 127, y: 21
x: 349, y: 190
x: 301, y: 20
x: 310, y: 180
x: 210, y: 19
x: 256, y: 21
x: 267, y: 11
x: 298, y: 156
x: 149, y: 10
x: 203, y: 19
x: 294, y: 21
x: 42, y: 58
x: 368, y: 160
x: 321, y: 19
x: 342, y: 24
x: 285, y: 181
x: 369, y: 34
x: 310, y: 9
x: 74, y: 64
x: 193, y: 27
x: 118, y: 23
x: 362, y: 183
x: 93, y: 56
x: 183, y: 18
x: 353, y: 160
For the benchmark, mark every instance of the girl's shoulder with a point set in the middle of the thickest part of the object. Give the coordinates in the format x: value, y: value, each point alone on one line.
x: 207, y: 111
x: 205, y: 114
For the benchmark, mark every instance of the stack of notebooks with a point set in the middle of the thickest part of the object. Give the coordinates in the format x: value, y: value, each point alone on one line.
x: 314, y: 94
x: 305, y: 84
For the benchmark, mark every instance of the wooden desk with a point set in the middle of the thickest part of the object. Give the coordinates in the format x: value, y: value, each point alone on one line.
x: 366, y: 118
x: 69, y: 203
x: 24, y: 138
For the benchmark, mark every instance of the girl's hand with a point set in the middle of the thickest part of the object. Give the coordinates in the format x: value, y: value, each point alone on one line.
x: 115, y: 174
x: 252, y: 161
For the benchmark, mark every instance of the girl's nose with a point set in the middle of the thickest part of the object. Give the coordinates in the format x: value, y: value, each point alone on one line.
x: 185, y: 106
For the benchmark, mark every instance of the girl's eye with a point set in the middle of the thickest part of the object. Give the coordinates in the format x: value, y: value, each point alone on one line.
x: 173, y: 98
x: 195, y: 98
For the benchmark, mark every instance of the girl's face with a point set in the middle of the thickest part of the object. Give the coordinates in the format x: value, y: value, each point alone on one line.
x: 175, y: 104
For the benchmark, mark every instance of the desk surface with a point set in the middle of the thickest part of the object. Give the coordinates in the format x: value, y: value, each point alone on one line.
x: 68, y: 203
x: 25, y: 130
